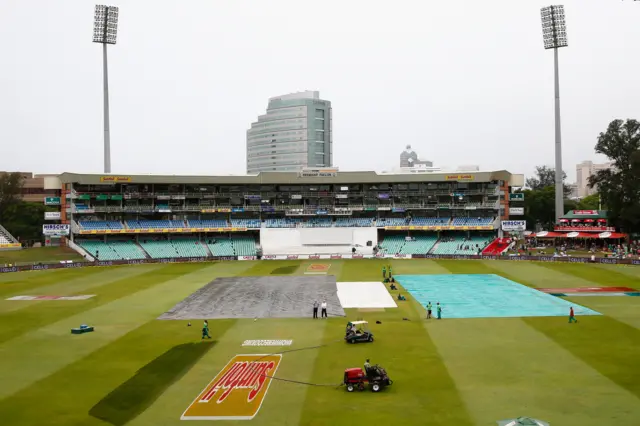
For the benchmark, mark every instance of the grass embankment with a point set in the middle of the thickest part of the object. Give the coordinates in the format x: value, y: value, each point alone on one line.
x: 39, y: 255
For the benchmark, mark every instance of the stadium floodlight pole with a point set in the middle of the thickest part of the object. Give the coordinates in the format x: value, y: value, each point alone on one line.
x: 105, y: 30
x: 554, y: 33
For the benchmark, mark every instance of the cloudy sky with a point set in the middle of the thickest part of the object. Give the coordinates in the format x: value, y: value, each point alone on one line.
x: 463, y: 82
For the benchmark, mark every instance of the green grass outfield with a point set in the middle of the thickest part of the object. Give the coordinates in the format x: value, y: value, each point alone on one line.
x: 136, y: 370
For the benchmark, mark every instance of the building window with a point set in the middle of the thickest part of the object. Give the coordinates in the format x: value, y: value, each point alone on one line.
x: 320, y: 113
x: 319, y: 136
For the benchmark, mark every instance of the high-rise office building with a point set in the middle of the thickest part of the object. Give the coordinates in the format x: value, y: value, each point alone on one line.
x: 585, y: 170
x: 296, y: 132
x: 409, y: 158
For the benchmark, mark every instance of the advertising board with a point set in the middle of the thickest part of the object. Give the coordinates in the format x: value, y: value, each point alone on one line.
x: 55, y: 230
x: 52, y: 215
x: 514, y: 225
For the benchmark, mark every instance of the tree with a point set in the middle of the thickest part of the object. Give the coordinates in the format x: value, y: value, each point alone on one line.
x: 10, y: 190
x: 619, y: 187
x: 24, y: 220
x: 539, y: 207
x: 590, y: 202
x: 546, y: 177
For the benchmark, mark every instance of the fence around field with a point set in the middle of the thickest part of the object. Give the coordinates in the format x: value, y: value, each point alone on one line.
x: 597, y: 260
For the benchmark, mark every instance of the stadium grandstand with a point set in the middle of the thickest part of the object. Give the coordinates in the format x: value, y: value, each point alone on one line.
x: 8, y: 241
x: 282, y: 214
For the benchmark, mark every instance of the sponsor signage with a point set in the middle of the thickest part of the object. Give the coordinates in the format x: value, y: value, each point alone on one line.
x: 401, y: 256
x: 267, y: 343
x: 114, y: 179
x: 439, y: 228
x: 51, y: 201
x: 324, y: 172
x: 247, y: 257
x: 518, y: 196
x: 55, y: 230
x: 157, y: 231
x: 51, y: 215
x: 585, y: 228
x: 585, y: 212
x: 514, y: 225
x: 459, y: 177
x: 606, y: 260
x: 516, y: 211
x: 238, y: 390
x: 12, y: 245
x: 215, y: 211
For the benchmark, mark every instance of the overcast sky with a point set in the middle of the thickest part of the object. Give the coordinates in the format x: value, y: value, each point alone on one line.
x: 463, y: 82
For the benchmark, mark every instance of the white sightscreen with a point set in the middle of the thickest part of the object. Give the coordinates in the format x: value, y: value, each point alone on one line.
x: 326, y: 236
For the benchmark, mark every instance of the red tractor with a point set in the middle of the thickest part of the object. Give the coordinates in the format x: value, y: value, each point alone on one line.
x: 376, y: 377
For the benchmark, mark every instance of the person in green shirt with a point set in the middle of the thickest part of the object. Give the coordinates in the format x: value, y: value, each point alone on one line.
x: 367, y: 367
x: 439, y: 310
x: 205, y: 330
x: 389, y: 271
x: 384, y: 272
x: 429, y: 308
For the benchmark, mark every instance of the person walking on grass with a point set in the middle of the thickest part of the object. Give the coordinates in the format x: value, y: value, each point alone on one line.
x: 384, y: 272
x: 429, y: 308
x: 324, y: 309
x: 205, y: 330
x: 572, y: 317
x: 439, y: 310
x: 315, y: 309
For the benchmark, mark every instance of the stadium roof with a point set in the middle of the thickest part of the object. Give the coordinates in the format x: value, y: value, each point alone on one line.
x: 275, y: 178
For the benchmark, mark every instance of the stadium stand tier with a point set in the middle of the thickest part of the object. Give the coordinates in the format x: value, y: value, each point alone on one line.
x: 100, y: 225
x: 113, y: 250
x: 187, y: 216
x: 461, y: 244
x: 402, y: 244
x: 6, y: 237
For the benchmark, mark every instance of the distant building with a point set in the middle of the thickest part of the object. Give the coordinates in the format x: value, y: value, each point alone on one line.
x: 409, y: 158
x: 295, y: 133
x: 473, y: 168
x: 33, y: 188
x: 585, y: 170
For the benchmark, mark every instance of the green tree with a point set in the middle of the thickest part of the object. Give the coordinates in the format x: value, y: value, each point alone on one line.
x: 539, y: 207
x: 590, y: 202
x: 10, y: 190
x: 619, y: 187
x: 545, y: 177
x: 24, y: 220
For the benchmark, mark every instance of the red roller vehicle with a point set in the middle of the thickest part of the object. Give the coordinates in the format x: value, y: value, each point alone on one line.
x: 376, y: 378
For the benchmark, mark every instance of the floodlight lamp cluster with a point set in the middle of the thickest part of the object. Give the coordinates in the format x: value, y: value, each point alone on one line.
x: 554, y: 28
x: 105, y: 24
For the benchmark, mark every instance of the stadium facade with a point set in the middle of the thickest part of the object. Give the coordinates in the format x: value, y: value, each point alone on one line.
x: 295, y: 132
x: 319, y: 212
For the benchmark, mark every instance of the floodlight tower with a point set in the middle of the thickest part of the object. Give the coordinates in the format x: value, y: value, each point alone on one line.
x: 105, y: 30
x: 554, y: 33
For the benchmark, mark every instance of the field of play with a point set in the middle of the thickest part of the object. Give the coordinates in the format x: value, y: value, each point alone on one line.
x: 502, y: 349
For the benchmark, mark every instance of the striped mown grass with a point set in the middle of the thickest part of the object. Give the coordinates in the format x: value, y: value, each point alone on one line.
x: 137, y: 370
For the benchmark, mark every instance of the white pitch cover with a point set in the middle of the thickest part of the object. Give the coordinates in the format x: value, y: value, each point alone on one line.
x: 364, y: 295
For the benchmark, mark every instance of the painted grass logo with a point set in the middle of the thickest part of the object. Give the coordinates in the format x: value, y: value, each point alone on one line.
x: 237, y: 392
x: 318, y: 269
x: 267, y: 343
x: 79, y: 297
